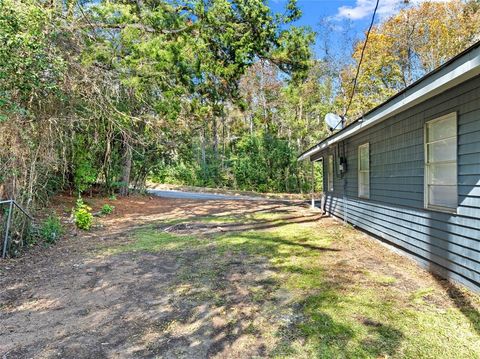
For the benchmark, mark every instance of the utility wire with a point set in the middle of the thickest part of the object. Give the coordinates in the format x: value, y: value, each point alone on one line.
x: 361, y: 58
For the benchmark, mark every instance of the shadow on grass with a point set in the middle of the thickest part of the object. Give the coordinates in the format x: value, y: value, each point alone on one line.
x: 263, y: 240
x: 327, y: 337
x: 233, y: 272
x: 198, y: 298
x: 260, y: 225
x: 461, y: 301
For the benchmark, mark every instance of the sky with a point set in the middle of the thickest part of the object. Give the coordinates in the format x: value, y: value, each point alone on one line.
x: 347, y: 20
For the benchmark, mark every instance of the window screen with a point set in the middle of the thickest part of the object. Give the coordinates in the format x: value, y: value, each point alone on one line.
x: 441, y: 163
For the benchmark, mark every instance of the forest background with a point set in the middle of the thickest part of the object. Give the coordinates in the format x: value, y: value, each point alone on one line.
x: 214, y: 93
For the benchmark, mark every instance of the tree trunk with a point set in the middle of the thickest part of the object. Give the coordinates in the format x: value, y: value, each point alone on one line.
x: 215, y: 137
x: 204, y: 156
x: 223, y: 141
x: 127, y: 167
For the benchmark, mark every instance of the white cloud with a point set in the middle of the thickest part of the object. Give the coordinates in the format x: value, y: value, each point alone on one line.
x: 364, y: 8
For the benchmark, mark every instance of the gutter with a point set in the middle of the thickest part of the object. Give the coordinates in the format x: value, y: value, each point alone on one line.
x: 461, y: 68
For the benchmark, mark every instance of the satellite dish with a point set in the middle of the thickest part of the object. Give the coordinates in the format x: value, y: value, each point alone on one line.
x: 334, y: 122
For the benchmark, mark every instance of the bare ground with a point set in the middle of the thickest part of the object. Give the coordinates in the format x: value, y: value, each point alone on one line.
x: 72, y: 300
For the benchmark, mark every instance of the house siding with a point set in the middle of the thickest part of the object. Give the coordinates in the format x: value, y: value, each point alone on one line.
x: 443, y: 242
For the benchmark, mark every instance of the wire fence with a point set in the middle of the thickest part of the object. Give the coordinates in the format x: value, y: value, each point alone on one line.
x: 16, y: 228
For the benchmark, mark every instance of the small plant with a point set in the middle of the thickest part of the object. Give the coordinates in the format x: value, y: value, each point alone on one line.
x: 51, y: 229
x: 107, y: 209
x: 82, y: 215
x: 113, y: 197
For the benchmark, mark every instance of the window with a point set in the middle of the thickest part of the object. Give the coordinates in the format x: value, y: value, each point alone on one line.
x: 364, y: 171
x: 441, y: 163
x: 330, y: 173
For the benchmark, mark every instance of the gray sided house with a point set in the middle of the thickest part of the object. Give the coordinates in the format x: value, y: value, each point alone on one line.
x: 408, y: 171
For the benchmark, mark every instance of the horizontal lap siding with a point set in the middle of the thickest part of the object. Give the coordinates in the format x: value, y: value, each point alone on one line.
x: 446, y: 243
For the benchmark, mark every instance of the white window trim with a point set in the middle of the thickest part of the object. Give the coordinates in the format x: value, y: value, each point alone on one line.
x: 367, y: 145
x: 330, y: 187
x: 426, y: 192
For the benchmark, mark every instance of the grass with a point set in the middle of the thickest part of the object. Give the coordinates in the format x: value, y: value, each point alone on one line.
x: 419, y: 295
x: 149, y: 240
x: 380, y: 278
x: 330, y: 309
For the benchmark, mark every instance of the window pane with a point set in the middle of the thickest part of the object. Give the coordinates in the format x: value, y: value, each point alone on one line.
x: 364, y: 177
x: 330, y: 173
x: 444, y: 196
x: 364, y: 191
x: 442, y: 129
x: 363, y: 171
x: 363, y: 184
x: 364, y: 158
x: 441, y: 178
x: 443, y: 174
x: 360, y: 157
x: 444, y: 150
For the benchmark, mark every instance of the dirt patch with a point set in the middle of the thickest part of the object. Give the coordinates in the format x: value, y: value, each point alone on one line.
x: 193, y: 228
x: 72, y: 301
x: 65, y: 301
x: 244, y: 224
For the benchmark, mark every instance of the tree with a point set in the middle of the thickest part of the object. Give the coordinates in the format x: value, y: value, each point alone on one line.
x: 406, y: 46
x: 103, y: 94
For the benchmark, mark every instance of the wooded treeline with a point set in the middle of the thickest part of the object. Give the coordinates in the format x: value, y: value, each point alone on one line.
x: 199, y: 92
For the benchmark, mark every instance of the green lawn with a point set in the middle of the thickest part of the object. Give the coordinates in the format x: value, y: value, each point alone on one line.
x: 315, y: 289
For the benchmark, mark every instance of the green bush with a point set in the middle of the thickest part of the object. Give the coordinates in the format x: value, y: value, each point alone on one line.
x: 107, y: 209
x: 51, y: 229
x: 82, y: 215
x: 176, y: 173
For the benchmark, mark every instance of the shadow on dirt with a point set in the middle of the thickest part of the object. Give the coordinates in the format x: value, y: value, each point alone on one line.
x: 196, y: 302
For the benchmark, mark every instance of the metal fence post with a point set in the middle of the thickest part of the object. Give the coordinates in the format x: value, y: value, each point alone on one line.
x: 7, y: 229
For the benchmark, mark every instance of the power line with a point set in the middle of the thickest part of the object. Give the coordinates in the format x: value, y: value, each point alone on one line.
x: 361, y: 58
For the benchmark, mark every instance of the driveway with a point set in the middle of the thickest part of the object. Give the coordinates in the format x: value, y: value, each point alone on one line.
x: 199, y: 195
x: 206, y: 196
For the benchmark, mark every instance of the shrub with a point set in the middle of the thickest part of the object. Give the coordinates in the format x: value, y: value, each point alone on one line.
x: 51, y: 229
x: 82, y: 215
x: 107, y: 209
